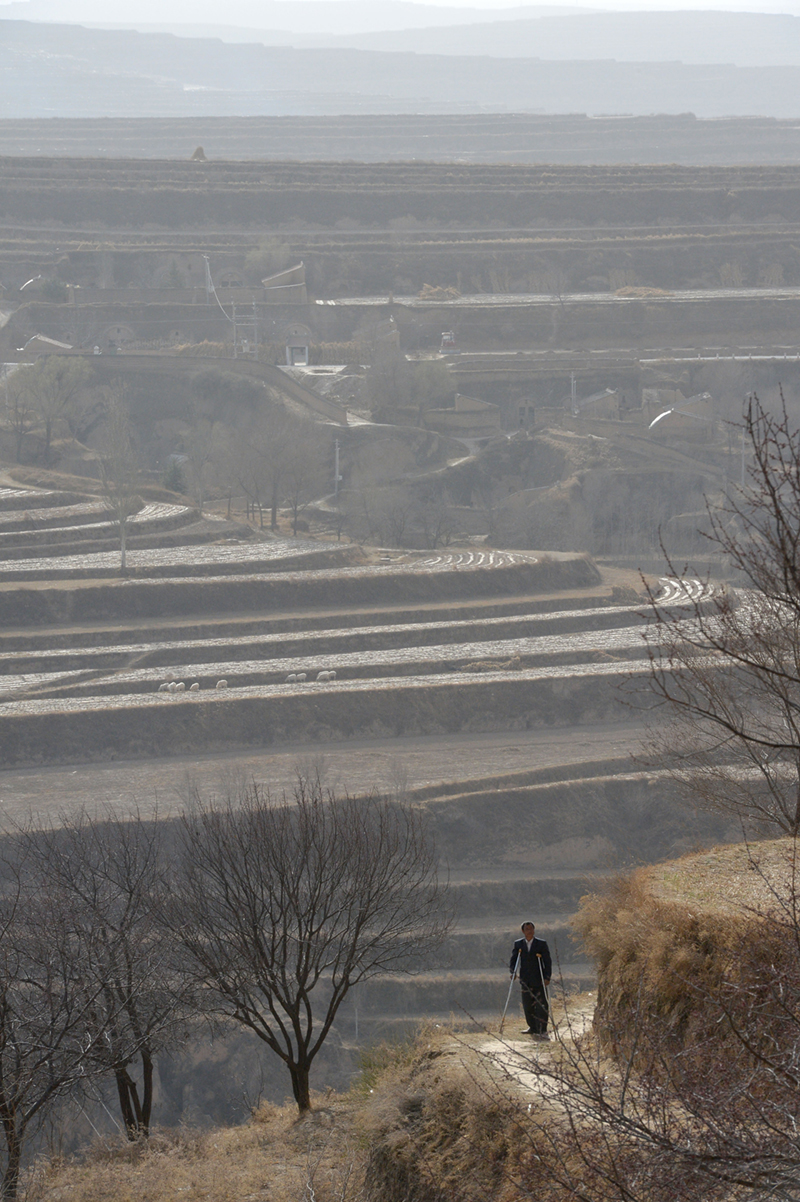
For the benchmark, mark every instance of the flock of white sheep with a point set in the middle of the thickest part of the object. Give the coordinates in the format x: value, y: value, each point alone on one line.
x: 179, y: 686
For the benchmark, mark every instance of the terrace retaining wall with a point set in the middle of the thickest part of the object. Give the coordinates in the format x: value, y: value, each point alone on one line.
x: 74, y: 732
x: 116, y: 600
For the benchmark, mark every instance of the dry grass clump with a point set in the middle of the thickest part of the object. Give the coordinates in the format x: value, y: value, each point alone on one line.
x: 276, y: 1157
x: 438, y: 292
x: 679, y: 943
x: 437, y: 1130
x: 647, y: 951
x: 205, y: 349
x: 386, y: 1059
x: 336, y: 353
x: 623, y: 594
x: 698, y: 993
x: 740, y: 878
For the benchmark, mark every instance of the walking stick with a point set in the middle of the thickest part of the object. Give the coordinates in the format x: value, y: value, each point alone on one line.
x: 544, y: 985
x: 511, y: 986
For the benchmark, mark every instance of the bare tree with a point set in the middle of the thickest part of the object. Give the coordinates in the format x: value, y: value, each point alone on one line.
x: 277, y: 436
x: 204, y: 444
x: 491, y: 493
x: 47, y: 1029
x: 283, y: 909
x: 53, y: 387
x: 118, y: 467
x: 246, y: 469
x: 225, y: 456
x: 436, y: 522
x: 20, y: 415
x: 356, y: 514
x: 727, y: 666
x: 109, y: 877
x: 383, y: 514
x: 259, y: 461
x: 304, y: 464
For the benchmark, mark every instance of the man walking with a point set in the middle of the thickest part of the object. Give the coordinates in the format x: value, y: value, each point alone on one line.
x: 530, y: 961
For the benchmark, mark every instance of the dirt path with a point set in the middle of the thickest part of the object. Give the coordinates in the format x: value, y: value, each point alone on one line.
x: 510, y: 1059
x: 358, y: 765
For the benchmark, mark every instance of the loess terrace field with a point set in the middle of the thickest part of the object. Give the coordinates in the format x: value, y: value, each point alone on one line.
x: 120, y: 193
x: 482, y: 685
x: 475, y: 646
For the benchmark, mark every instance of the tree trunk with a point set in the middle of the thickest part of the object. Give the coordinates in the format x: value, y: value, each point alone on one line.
x: 135, y: 1113
x: 48, y: 426
x: 125, y: 1103
x: 8, y: 1190
x: 123, y: 533
x: 273, y: 525
x: 147, y: 1092
x: 299, y: 1072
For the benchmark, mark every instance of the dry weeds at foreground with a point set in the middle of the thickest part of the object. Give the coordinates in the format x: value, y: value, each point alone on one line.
x: 275, y: 1158
x: 418, y: 1122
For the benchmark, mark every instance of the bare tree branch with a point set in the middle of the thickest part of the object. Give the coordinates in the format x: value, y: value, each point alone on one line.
x: 728, y: 666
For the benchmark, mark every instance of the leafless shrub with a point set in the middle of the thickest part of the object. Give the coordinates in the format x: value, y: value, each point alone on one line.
x: 397, y: 778
x: 312, y: 769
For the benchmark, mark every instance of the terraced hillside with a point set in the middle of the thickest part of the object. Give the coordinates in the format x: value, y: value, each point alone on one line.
x: 192, y: 655
x: 418, y: 642
x: 181, y: 195
x: 477, y: 137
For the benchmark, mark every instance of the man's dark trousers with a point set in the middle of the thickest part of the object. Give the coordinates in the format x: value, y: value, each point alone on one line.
x: 531, y: 970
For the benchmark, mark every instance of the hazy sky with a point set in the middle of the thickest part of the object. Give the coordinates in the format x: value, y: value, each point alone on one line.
x: 256, y: 13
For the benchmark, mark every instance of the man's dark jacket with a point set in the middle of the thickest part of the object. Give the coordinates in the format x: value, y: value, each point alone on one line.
x: 528, y: 971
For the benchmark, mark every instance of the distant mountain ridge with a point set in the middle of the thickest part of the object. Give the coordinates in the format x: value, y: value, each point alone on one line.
x: 299, y: 16
x: 742, y: 39
x: 51, y: 70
